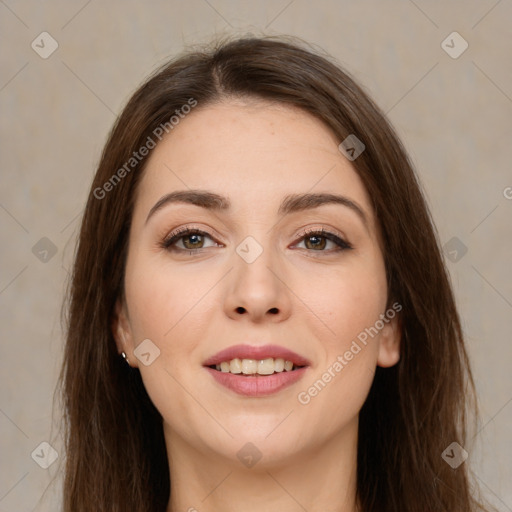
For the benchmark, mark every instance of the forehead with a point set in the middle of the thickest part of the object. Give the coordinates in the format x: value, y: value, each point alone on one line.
x: 254, y: 153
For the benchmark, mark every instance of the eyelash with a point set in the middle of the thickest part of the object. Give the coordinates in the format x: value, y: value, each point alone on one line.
x: 173, y: 237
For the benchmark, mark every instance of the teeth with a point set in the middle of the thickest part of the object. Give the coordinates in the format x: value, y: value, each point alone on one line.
x: 279, y: 364
x: 254, y: 366
x: 249, y: 366
x: 235, y: 366
x: 266, y: 366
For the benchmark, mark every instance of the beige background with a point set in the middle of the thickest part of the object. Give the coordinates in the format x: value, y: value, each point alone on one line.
x: 455, y: 117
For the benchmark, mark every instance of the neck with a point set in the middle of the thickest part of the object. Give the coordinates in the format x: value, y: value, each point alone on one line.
x: 319, y: 479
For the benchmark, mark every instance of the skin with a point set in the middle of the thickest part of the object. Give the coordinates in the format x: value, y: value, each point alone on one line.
x: 312, y: 300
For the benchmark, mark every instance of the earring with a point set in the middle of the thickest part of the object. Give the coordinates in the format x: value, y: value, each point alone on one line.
x: 125, y: 358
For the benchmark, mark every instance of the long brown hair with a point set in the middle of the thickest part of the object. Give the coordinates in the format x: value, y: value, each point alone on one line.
x: 115, y: 452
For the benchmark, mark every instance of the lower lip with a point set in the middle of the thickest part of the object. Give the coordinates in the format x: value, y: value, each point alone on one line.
x: 261, y: 385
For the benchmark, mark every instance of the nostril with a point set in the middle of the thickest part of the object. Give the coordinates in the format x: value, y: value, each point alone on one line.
x: 274, y: 311
x: 240, y: 310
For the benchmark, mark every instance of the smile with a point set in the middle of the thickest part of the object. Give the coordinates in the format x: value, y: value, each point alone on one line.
x: 254, y: 367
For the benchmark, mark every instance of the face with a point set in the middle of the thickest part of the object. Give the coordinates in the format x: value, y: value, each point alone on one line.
x: 259, y: 266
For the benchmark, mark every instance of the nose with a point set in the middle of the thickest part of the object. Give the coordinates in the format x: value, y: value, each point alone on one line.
x: 257, y: 290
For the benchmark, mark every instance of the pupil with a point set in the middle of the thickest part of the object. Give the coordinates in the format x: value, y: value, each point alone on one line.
x: 190, y: 237
x: 316, y: 240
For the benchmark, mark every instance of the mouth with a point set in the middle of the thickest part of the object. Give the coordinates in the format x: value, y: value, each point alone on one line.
x: 256, y: 371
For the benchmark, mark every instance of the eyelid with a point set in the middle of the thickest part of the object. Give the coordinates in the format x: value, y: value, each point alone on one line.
x: 320, y: 229
x: 180, y: 232
x: 338, y: 238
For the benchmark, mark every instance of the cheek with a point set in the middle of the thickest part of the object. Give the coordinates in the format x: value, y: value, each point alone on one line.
x: 347, y: 300
x: 165, y: 306
x: 162, y: 299
x: 350, y: 304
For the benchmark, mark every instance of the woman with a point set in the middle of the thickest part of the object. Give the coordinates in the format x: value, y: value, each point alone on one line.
x: 259, y: 314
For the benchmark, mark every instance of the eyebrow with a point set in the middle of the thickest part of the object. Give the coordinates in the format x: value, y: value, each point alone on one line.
x: 291, y: 203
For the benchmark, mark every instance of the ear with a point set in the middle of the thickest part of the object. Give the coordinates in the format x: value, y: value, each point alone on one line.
x: 121, y: 331
x: 389, y: 343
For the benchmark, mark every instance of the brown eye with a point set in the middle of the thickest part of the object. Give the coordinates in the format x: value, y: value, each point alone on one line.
x: 318, y: 240
x: 194, y: 241
x: 190, y: 239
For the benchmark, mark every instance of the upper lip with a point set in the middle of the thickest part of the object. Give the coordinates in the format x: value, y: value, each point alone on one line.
x: 258, y: 353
